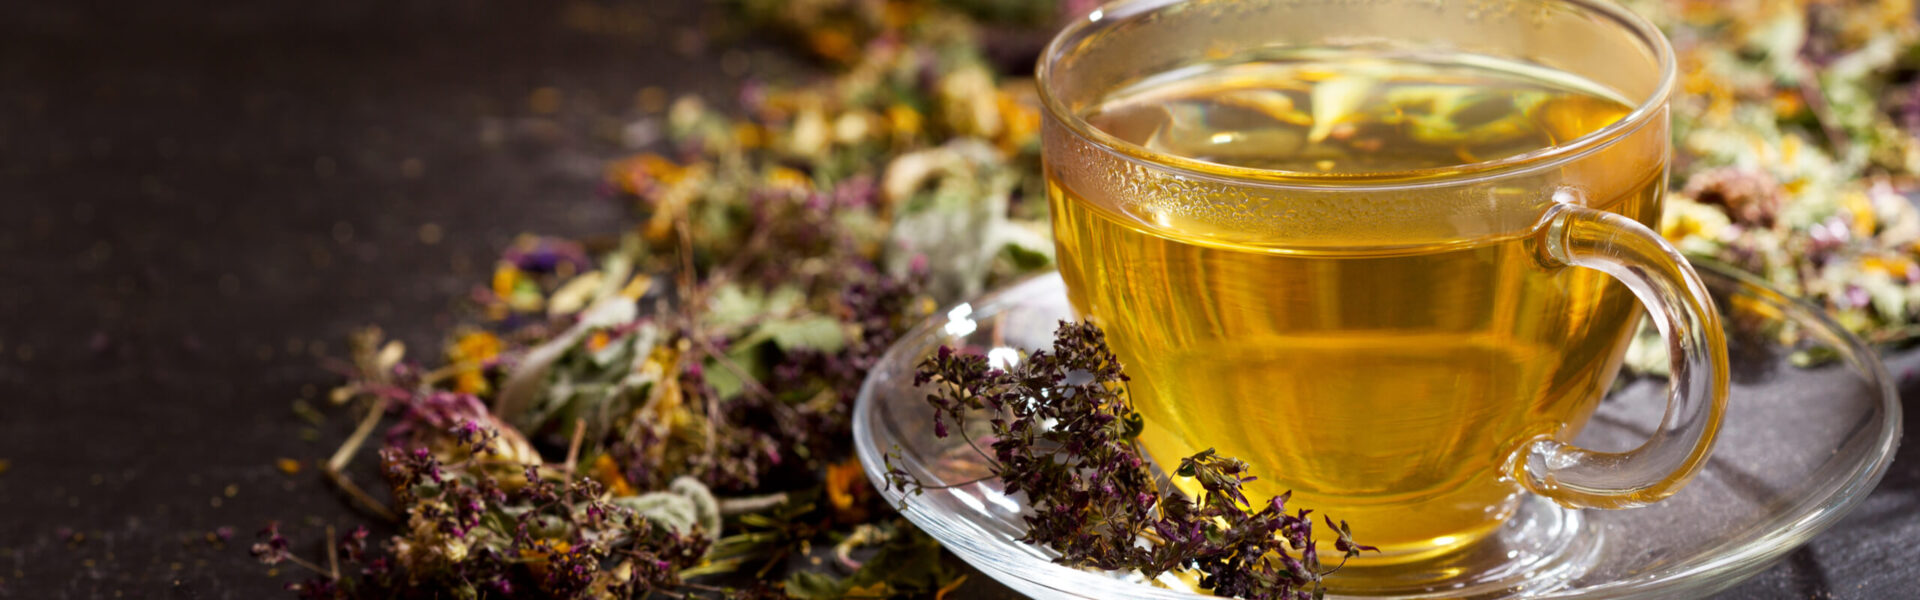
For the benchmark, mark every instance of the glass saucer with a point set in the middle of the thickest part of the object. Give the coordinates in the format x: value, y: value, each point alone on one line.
x: 1801, y: 445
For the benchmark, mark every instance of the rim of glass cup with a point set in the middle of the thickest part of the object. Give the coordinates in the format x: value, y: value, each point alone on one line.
x: 1545, y: 158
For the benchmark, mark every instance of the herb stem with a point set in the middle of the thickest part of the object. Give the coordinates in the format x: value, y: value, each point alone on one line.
x: 1895, y: 335
x: 352, y: 445
x: 751, y: 504
x: 307, y: 564
x: 1336, y: 568
x: 573, y: 447
x: 337, y: 464
x: 976, y: 449
x: 960, y: 484
x: 333, y: 556
x: 692, y: 301
x: 941, y: 594
x: 711, y: 568
x: 361, y: 496
x: 779, y: 556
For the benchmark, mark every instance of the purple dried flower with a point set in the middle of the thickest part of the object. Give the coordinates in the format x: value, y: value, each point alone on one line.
x: 1085, y: 463
x: 546, y: 254
x: 1856, y: 297
x: 273, y: 549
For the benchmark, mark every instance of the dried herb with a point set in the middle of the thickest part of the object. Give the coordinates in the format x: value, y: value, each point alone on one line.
x: 1062, y: 432
x: 491, y: 524
x: 623, y: 417
x: 602, y: 391
x: 1797, y: 156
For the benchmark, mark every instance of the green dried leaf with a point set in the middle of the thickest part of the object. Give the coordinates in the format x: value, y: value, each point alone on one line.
x: 813, y: 332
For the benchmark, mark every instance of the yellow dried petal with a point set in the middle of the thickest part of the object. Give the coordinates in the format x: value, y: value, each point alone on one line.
x: 904, y: 120
x: 1860, y: 206
x: 505, y: 277
x: 841, y: 479
x: 637, y: 287
x: 476, y: 346
x: 608, y: 474
x: 468, y: 352
x: 574, y: 294
x: 787, y: 177
x: 748, y: 135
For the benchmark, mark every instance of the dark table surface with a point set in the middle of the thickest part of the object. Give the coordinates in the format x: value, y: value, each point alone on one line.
x: 202, y: 200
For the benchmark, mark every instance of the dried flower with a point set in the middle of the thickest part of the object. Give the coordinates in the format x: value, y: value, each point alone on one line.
x: 1062, y: 432
x: 273, y: 549
x: 1751, y: 196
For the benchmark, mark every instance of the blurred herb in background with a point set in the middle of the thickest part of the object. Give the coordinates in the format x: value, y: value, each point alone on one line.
x: 1795, y: 126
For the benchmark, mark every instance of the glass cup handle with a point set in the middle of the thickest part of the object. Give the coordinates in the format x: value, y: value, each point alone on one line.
x: 1575, y: 235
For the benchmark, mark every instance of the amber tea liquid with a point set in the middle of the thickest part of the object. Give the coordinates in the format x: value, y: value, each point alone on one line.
x: 1290, y: 357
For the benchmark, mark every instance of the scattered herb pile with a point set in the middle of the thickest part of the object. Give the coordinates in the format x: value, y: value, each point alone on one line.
x: 1796, y: 150
x: 668, y: 412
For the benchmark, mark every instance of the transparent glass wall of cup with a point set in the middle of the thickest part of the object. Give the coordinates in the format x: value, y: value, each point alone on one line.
x: 1408, y: 350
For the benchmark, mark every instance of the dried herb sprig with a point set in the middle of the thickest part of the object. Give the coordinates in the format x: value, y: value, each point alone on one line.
x: 486, y: 524
x: 1062, y: 431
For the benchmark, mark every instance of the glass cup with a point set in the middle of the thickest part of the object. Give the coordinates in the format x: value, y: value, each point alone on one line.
x: 1409, y: 350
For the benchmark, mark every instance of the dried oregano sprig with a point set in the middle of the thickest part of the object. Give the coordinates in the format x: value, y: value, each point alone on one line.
x: 1062, y: 431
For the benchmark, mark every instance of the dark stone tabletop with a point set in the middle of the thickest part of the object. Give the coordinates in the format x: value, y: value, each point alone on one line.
x: 199, y: 201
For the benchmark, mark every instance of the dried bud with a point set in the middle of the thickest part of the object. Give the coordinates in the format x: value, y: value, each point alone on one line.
x: 1750, y: 197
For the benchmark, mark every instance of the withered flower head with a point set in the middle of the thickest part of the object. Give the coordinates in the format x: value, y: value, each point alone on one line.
x: 1750, y: 197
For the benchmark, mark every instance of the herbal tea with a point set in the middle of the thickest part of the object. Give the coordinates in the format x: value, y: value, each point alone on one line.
x: 1289, y: 357
x: 1355, y: 113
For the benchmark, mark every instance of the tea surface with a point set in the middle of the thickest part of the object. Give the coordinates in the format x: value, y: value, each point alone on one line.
x: 1386, y: 389
x: 1355, y: 113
